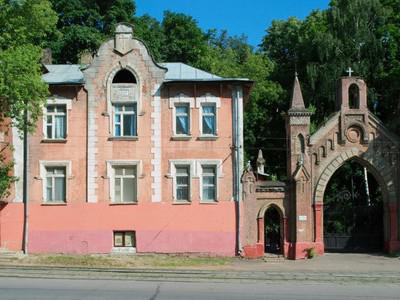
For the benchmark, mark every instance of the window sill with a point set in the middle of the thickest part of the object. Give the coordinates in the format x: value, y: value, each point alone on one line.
x: 181, y: 137
x: 123, y: 203
x: 123, y: 250
x: 207, y: 138
x: 53, y: 141
x: 123, y: 138
x: 182, y: 203
x: 54, y: 204
x: 215, y: 202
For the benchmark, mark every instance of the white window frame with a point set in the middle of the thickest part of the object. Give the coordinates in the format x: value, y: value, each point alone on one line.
x: 110, y: 169
x: 172, y: 174
x: 56, y: 100
x: 210, y: 99
x: 137, y: 96
x: 218, y: 174
x: 122, y: 114
x: 43, y: 165
x: 181, y: 99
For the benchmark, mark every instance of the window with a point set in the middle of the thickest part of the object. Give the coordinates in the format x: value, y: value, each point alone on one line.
x: 209, y: 183
x: 56, y: 122
x: 125, y: 184
x: 182, y: 183
x: 125, y: 119
x: 354, y: 96
x: 55, y: 184
x: 182, y: 119
x: 208, y: 119
x: 125, y: 239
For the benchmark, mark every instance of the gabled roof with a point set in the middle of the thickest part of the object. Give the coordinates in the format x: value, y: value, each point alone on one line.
x: 177, y: 72
x: 63, y: 74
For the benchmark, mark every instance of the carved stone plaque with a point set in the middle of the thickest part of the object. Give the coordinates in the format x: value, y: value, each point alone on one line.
x: 123, y: 92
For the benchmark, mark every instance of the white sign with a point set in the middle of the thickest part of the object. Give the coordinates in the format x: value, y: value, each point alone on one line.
x: 302, y: 218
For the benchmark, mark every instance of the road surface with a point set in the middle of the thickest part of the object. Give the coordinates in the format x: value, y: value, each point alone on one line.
x: 60, y: 289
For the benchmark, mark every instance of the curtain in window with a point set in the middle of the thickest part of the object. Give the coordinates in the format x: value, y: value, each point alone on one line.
x: 117, y: 126
x: 129, y: 125
x: 208, y: 120
x: 60, y: 130
x: 182, y: 125
x: 59, y: 190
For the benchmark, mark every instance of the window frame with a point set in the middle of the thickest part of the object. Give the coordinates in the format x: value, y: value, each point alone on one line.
x: 43, y: 165
x: 203, y: 185
x: 52, y: 177
x: 122, y: 114
x: 110, y: 170
x: 173, y: 164
x: 202, y: 115
x: 217, y: 164
x: 122, y: 179
x: 56, y: 100
x: 124, y: 233
x: 181, y: 99
x: 204, y: 100
x: 136, y: 98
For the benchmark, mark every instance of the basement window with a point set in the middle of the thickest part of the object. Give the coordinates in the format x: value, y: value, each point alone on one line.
x: 124, y: 240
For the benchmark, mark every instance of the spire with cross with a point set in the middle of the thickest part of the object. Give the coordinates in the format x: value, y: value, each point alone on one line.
x: 349, y: 71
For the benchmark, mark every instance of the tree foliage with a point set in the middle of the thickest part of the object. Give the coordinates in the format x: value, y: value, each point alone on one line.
x: 25, y: 27
x: 85, y: 24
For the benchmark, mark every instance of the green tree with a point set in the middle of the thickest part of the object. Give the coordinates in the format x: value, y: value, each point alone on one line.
x: 26, y: 27
x: 184, y: 40
x: 150, y: 31
x: 85, y: 24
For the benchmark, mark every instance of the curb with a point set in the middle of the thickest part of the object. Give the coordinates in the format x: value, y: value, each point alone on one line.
x: 190, y: 275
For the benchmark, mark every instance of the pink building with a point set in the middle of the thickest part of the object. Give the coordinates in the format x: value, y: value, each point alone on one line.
x: 131, y: 155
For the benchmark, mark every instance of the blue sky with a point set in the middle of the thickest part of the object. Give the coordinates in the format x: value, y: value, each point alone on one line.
x: 250, y: 17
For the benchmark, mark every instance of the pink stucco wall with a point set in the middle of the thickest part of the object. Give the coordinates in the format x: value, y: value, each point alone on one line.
x: 85, y: 224
x: 88, y: 228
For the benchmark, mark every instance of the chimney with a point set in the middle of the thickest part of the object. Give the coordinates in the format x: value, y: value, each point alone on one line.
x: 47, y: 57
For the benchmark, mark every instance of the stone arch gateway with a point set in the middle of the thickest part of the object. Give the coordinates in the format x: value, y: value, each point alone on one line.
x: 352, y: 133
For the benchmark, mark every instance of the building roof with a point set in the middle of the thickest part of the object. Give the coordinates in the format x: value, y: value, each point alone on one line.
x: 176, y: 72
x: 181, y: 71
x: 63, y: 74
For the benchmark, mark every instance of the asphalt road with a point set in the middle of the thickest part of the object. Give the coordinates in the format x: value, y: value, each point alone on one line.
x: 59, y: 289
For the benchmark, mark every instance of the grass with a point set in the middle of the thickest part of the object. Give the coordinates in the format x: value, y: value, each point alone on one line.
x: 127, y: 261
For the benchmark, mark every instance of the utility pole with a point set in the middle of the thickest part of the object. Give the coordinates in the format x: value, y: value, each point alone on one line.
x: 25, y: 196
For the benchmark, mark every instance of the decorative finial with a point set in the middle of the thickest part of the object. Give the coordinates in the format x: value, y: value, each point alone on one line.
x: 260, y: 162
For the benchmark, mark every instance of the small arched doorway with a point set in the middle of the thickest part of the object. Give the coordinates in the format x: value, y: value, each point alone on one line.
x: 353, y: 210
x: 273, y: 231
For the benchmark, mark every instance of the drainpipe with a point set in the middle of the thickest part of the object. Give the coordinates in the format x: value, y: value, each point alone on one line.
x: 236, y: 164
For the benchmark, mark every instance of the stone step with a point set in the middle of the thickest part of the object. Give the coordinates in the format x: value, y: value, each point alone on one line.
x: 274, y: 258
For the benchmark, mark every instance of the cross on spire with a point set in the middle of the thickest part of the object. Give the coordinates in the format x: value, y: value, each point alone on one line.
x: 349, y: 71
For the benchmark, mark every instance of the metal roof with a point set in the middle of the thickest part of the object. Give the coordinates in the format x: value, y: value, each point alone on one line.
x: 72, y: 74
x: 63, y: 74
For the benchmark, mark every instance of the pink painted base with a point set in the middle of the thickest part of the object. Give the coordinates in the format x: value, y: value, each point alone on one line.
x: 253, y: 251
x: 300, y: 250
x: 88, y: 228
x: 392, y: 246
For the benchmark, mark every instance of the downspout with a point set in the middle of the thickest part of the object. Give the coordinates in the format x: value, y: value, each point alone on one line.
x: 236, y: 165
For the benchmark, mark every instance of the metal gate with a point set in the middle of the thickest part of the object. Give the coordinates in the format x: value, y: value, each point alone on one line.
x: 353, y: 227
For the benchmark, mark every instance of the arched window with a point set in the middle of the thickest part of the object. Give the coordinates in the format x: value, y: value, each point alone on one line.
x: 124, y: 102
x: 124, y: 76
x: 354, y: 96
x: 300, y: 144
